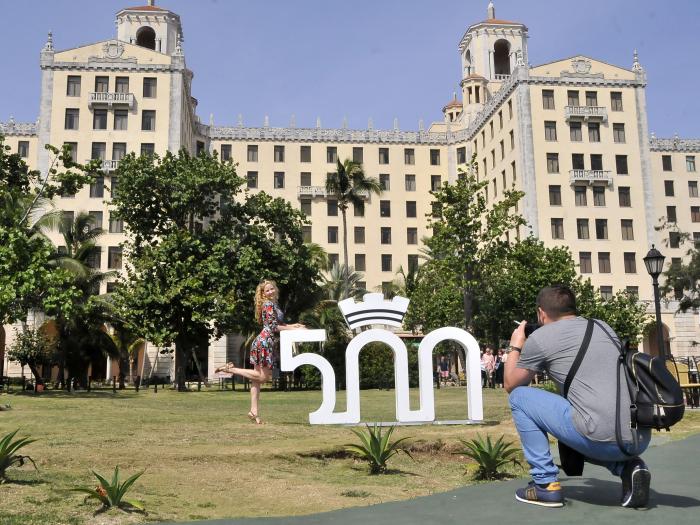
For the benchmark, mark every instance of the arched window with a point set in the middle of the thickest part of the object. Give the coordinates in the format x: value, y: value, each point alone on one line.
x: 501, y: 58
x: 468, y: 62
x: 146, y: 37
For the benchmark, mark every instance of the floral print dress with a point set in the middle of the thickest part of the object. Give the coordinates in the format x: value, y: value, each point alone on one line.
x: 262, y: 351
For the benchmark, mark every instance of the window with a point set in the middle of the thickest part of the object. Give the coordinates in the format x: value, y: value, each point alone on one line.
x: 554, y: 195
x: 580, y: 195
x: 575, y: 134
x: 97, y: 188
x: 598, y: 196
x: 148, y: 120
x: 671, y: 214
x: 491, y: 128
x: 695, y: 213
x: 99, y: 151
x: 674, y: 239
x: 359, y: 234
x: 305, y: 178
x: 305, y: 153
x: 252, y: 153
x: 385, y: 235
x: 99, y: 119
x: 386, y: 262
x: 333, y: 235
x: 512, y: 139
x: 510, y: 109
x: 383, y: 155
x: 493, y: 158
x: 692, y: 188
x: 225, y: 152
x: 696, y: 239
x: 577, y: 161
x: 384, y: 183
x: 591, y: 98
x: 23, y: 148
x: 200, y: 148
x: 619, y: 133
x: 94, y: 258
x: 668, y: 188
x: 305, y: 205
x: 360, y: 262
x: 116, y: 225
x: 550, y: 130
x: 357, y: 155
x: 582, y: 229
x: 333, y: 259
x: 690, y: 163
x: 148, y: 148
x: 150, y: 87
x: 435, y: 182
x: 557, y: 228
x: 410, y: 182
x: 552, y: 162
x: 73, y: 86
x: 332, y: 207
x: 503, y: 150
x: 114, y: 187
x: 616, y: 100
x: 118, y: 150
x: 500, y: 119
x: 627, y: 229
x: 114, y: 258
x: 409, y: 156
x: 436, y: 209
x: 572, y: 98
x: 606, y: 292
x: 121, y: 119
x: 461, y: 155
x: 666, y: 163
x: 601, y: 229
x: 359, y: 209
x: 73, y: 117
x: 73, y: 147
x: 122, y: 85
x: 604, y: 262
x: 279, y: 153
x: 621, y: 165
x: 632, y: 290
x: 624, y: 198
x: 411, y: 235
x: 385, y: 208
x: 547, y: 99
x: 410, y: 209
x: 331, y: 154
x: 412, y: 262
x: 630, y: 262
x: 96, y: 220
x: 593, y: 132
x: 279, y: 180
x: 101, y: 84
x: 434, y: 157
x: 596, y: 161
x: 584, y: 262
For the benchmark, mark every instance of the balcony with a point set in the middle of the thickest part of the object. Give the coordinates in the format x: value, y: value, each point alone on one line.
x: 590, y: 176
x: 586, y: 113
x: 501, y: 78
x: 111, y: 98
x: 107, y: 165
x: 319, y: 191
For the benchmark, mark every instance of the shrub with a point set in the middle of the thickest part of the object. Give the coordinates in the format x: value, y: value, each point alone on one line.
x: 376, y: 448
x: 489, y: 456
x: 8, y: 453
x: 111, y: 494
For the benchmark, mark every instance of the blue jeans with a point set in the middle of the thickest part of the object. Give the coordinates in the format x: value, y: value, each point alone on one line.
x: 537, y: 413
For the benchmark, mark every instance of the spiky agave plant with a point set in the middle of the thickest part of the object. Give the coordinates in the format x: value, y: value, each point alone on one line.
x: 376, y: 447
x: 490, y: 456
x: 8, y: 453
x: 111, y: 494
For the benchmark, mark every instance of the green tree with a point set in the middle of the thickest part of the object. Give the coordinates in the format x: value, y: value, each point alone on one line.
x: 32, y: 348
x: 349, y: 185
x: 198, y: 245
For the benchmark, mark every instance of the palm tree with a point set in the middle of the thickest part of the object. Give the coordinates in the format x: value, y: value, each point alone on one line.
x: 349, y: 185
x: 342, y: 282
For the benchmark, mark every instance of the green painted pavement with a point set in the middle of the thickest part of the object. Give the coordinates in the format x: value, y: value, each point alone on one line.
x: 592, y: 499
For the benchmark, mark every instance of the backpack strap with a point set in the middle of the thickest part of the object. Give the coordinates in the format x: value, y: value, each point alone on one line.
x: 579, y: 357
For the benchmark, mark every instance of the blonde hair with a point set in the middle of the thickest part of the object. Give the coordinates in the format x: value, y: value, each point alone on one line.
x: 260, y: 298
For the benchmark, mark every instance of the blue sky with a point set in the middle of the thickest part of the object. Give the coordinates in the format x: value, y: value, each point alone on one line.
x: 359, y: 59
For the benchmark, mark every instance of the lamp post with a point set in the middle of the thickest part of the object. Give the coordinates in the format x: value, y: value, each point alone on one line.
x: 654, y: 261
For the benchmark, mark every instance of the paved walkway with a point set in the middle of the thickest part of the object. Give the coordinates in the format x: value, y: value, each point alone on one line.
x: 594, y: 499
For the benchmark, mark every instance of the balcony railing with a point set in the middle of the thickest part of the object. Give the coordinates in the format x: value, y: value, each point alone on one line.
x: 586, y: 112
x: 590, y: 176
x: 501, y: 77
x: 111, y: 98
x: 320, y: 191
x: 107, y: 165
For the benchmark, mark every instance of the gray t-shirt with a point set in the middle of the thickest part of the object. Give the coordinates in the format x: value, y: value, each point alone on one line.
x: 593, y: 392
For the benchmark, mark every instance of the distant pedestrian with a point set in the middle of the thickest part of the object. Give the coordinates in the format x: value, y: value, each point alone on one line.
x: 444, y: 367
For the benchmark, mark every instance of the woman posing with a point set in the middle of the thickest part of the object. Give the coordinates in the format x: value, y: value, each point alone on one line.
x: 265, y: 347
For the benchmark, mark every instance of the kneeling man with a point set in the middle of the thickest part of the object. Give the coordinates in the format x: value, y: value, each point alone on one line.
x: 585, y: 420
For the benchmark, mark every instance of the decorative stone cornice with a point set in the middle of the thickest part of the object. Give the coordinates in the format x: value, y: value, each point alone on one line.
x: 101, y: 64
x: 26, y: 129
x: 578, y: 79
x: 674, y: 144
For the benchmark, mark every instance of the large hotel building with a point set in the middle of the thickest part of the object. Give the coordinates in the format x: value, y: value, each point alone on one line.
x: 572, y: 134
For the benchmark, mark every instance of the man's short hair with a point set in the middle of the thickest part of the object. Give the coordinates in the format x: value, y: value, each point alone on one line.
x: 557, y: 301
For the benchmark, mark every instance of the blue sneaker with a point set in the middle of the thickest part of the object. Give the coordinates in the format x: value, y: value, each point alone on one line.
x: 544, y: 495
x: 636, y: 479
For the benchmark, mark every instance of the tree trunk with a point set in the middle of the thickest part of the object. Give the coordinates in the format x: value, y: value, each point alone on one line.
x: 193, y: 353
x: 345, y: 238
x: 468, y: 300
x: 180, y: 362
x: 123, y: 364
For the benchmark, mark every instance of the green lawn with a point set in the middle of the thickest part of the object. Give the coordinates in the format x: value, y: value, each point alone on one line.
x: 204, y: 459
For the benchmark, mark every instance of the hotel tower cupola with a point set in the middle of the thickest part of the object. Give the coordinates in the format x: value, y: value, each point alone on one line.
x: 151, y: 27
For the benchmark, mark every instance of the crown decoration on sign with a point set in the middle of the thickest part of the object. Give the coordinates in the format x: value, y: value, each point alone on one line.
x: 374, y: 309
